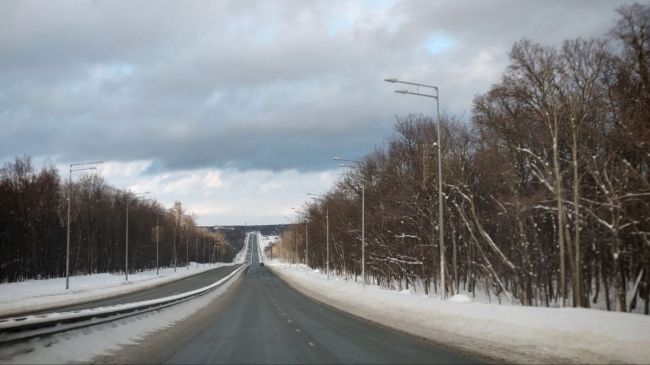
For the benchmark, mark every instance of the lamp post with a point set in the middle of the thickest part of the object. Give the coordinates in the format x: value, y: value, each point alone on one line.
x: 67, y: 249
x: 363, y: 219
x: 157, y: 239
x: 126, y: 255
x: 187, y: 244
x: 433, y: 95
x: 306, y: 237
x: 327, y: 233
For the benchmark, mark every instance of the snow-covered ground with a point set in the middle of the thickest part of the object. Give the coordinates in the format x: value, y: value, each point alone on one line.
x: 266, y: 240
x: 506, y: 332
x: 86, y: 344
x: 33, y: 295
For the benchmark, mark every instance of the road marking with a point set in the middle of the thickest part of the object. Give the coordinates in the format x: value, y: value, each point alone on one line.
x: 311, y: 344
x: 288, y: 320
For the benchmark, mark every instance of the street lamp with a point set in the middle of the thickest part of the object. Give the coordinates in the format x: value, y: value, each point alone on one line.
x: 187, y: 245
x: 327, y: 234
x: 306, y: 237
x: 126, y: 256
x: 363, y: 219
x: 67, y: 249
x: 157, y: 239
x: 433, y: 95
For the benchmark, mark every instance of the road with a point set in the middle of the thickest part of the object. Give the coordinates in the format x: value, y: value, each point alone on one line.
x: 269, y: 322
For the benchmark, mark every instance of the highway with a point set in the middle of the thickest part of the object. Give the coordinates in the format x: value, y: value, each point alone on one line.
x: 266, y: 321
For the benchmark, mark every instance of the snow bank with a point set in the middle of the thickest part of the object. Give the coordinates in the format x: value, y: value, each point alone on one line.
x: 241, y: 255
x: 504, y: 332
x: 86, y: 344
x: 35, y: 295
x: 266, y: 240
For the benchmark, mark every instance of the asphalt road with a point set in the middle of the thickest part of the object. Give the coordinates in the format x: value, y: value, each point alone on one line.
x: 175, y: 287
x: 269, y: 322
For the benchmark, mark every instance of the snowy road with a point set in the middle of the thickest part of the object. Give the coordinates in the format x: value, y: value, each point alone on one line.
x: 265, y: 321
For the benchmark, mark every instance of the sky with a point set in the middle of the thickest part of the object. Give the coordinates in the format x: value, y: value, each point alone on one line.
x: 236, y: 108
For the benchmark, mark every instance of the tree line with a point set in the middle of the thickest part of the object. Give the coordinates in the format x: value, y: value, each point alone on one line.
x: 33, y: 227
x: 546, y: 190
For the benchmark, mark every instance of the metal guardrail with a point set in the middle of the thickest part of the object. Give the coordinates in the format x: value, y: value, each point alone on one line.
x: 21, y: 328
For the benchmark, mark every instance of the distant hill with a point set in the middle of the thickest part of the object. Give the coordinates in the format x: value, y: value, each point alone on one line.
x: 236, y: 234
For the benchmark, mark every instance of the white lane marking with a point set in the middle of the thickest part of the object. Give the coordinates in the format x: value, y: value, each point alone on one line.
x: 288, y: 320
x: 298, y: 330
x: 311, y: 344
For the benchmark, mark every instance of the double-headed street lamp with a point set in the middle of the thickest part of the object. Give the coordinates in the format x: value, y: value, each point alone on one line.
x: 67, y: 249
x: 126, y: 256
x: 327, y: 232
x: 363, y: 219
x: 434, y: 95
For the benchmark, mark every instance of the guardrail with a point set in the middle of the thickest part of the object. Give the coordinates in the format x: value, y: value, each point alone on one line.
x: 21, y: 328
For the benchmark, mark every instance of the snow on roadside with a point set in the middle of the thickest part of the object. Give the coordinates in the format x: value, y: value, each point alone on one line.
x: 265, y: 241
x: 84, y: 345
x: 241, y: 255
x: 34, y: 295
x: 504, y: 332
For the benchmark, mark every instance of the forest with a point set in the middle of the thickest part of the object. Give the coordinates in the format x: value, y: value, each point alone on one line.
x: 546, y: 191
x: 33, y: 227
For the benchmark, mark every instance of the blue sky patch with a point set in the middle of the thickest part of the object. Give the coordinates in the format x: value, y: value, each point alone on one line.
x: 438, y: 43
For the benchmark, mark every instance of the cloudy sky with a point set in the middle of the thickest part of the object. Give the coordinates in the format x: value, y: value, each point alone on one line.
x: 236, y: 108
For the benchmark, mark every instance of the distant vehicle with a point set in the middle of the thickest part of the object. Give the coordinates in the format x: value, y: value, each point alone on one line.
x: 261, y: 263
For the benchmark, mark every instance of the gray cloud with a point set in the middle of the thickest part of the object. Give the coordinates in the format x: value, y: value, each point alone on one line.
x: 251, y: 84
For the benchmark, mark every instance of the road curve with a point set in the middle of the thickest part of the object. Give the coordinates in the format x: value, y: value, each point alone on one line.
x: 269, y: 322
